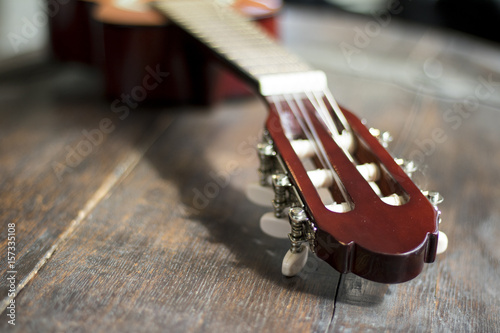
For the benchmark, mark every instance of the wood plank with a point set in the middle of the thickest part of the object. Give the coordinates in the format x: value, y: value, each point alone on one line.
x: 62, y: 149
x: 459, y: 292
x: 154, y: 256
x: 445, y: 117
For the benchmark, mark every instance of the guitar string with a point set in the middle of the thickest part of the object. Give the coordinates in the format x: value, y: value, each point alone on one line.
x: 317, y: 143
x: 338, y: 112
x: 319, y: 104
x: 309, y: 136
x: 322, y: 106
x: 333, y: 171
x: 283, y: 118
x: 323, y: 112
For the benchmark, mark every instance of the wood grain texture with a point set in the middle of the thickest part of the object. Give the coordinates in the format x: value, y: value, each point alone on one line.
x: 459, y: 292
x: 62, y: 149
x: 438, y: 95
x: 156, y: 255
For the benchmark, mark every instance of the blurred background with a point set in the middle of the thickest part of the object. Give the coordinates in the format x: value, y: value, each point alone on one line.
x: 478, y: 18
x: 13, y: 18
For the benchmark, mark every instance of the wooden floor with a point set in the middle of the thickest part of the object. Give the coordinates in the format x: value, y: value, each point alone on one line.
x: 140, y: 223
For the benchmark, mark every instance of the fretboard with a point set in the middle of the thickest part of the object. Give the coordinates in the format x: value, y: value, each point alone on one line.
x: 272, y: 69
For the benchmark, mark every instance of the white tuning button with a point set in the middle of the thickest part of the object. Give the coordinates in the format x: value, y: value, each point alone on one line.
x: 294, y: 262
x: 339, y: 208
x: 346, y: 141
x: 442, y: 243
x: 275, y: 226
x: 324, y: 178
x: 393, y: 200
x: 260, y: 195
x: 321, y: 178
x: 369, y: 171
x: 375, y: 188
x: 303, y: 148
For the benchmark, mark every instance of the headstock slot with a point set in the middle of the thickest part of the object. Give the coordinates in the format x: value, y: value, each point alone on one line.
x: 299, y: 122
x: 387, y: 183
x: 310, y: 119
x: 398, y: 237
x: 358, y: 152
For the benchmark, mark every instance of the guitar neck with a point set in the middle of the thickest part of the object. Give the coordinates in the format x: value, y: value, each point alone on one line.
x: 269, y: 67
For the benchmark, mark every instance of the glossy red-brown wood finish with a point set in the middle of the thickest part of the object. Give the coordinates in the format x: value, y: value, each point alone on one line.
x: 374, y: 240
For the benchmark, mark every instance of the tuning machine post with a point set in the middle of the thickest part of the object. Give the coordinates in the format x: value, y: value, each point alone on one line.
x: 385, y: 138
x: 408, y: 166
x: 435, y: 198
x: 281, y: 186
x: 271, y: 190
x: 301, y: 237
x: 267, y: 156
x: 288, y: 219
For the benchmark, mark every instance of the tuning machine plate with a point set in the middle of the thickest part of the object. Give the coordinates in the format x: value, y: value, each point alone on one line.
x: 289, y: 218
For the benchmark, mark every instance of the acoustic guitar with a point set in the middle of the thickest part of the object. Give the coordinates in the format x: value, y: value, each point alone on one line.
x: 346, y: 198
x: 123, y: 38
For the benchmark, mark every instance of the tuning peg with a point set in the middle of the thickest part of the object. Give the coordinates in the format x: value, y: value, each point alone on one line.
x: 346, y: 141
x: 296, y: 257
x: 408, y: 166
x: 322, y: 178
x: 339, y: 207
x: 442, y: 243
x: 393, y: 200
x: 434, y: 197
x: 259, y: 195
x: 384, y: 137
x: 369, y: 171
x: 281, y: 184
x: 293, y: 262
x: 278, y: 227
x: 303, y: 148
x: 307, y: 149
x: 267, y: 154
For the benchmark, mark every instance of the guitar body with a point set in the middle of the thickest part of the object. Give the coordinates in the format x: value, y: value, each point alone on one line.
x: 129, y: 43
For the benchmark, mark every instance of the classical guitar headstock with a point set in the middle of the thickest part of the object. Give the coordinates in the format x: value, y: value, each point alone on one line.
x: 345, y: 196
